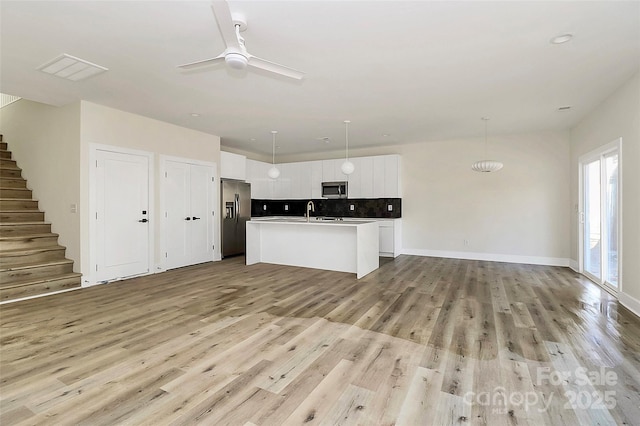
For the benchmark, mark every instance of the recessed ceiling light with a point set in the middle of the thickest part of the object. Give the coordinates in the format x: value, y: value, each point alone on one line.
x: 253, y: 139
x: 561, y: 39
x: 564, y: 108
x: 195, y: 114
x: 71, y: 68
x: 386, y: 135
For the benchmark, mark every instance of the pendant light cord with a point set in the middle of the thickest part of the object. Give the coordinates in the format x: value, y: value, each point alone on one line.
x: 346, y: 138
x: 486, y: 144
x: 273, y: 149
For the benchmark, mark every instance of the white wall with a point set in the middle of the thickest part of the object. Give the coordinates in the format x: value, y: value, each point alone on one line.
x: 108, y: 126
x: 520, y: 213
x: 618, y: 116
x: 45, y: 141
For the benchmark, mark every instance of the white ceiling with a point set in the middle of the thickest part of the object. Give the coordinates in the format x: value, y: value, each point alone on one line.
x: 416, y: 71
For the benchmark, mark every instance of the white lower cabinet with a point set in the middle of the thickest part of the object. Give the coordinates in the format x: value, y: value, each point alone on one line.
x: 390, y: 234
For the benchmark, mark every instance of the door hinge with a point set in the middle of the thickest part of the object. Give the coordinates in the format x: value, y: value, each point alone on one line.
x: 212, y: 179
x: 213, y: 213
x: 96, y: 267
x: 165, y: 254
x: 165, y: 174
x: 213, y: 247
x: 166, y: 214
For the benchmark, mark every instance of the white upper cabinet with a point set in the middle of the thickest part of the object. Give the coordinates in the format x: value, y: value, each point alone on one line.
x: 316, y: 178
x: 378, y: 177
x: 392, y: 187
x: 262, y: 187
x: 233, y: 166
x: 373, y: 177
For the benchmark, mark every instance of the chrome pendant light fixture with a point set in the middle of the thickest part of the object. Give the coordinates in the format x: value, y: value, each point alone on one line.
x: 273, y: 171
x: 347, y: 167
x: 486, y: 166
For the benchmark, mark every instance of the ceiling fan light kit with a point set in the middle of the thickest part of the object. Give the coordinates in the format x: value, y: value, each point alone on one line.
x: 347, y: 167
x: 237, y: 61
x: 486, y: 166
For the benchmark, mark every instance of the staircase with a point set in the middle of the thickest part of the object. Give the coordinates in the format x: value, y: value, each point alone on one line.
x: 31, y: 261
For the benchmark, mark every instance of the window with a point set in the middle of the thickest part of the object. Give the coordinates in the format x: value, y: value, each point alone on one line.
x: 600, y: 215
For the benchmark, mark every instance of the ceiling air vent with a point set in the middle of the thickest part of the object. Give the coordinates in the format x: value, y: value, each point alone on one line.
x: 71, y: 68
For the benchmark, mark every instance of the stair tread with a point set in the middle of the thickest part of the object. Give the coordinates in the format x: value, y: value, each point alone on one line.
x: 22, y: 211
x: 36, y: 265
x: 24, y: 223
x: 34, y: 235
x: 31, y: 250
x: 43, y: 280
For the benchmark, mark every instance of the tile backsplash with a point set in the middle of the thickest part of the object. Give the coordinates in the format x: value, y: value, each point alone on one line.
x: 382, y: 208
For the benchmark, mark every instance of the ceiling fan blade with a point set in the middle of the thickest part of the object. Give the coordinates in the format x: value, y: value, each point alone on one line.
x: 263, y: 64
x: 202, y: 63
x: 225, y: 23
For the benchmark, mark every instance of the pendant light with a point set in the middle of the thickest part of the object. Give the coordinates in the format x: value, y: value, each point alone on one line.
x: 486, y: 166
x: 273, y: 171
x: 347, y: 167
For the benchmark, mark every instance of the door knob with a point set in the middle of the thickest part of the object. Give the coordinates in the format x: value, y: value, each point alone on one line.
x: 143, y: 220
x: 195, y: 218
x: 187, y: 218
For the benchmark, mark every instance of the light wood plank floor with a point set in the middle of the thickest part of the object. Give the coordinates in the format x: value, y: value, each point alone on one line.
x: 421, y: 341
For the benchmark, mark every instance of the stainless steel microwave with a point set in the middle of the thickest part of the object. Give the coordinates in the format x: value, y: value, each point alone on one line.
x: 334, y: 189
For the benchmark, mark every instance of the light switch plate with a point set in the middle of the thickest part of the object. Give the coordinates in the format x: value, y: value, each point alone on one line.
x: 352, y: 207
x: 286, y: 207
x: 264, y: 207
x: 389, y: 207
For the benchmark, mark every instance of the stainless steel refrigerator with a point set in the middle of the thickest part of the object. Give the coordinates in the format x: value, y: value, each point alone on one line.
x: 236, y: 211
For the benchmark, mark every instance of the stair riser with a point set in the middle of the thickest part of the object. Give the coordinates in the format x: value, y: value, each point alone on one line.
x: 10, y: 173
x: 13, y: 183
x: 26, y: 216
x: 29, y: 243
x: 15, y: 193
x: 3, y: 145
x: 7, y: 163
x: 20, y: 230
x: 18, y: 205
x: 5, y: 155
x: 43, y: 256
x: 40, y: 288
x: 7, y: 278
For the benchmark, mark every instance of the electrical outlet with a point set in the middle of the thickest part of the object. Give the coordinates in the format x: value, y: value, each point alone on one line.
x: 352, y: 207
x: 286, y: 207
x: 73, y: 208
x: 389, y: 207
x: 264, y: 207
x: 466, y: 242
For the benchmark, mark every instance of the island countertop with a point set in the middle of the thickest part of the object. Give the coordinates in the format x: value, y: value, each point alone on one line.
x: 346, y: 246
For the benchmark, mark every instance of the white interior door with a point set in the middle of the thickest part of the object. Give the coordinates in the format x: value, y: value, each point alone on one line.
x: 122, y: 215
x: 188, y: 197
x: 201, y: 204
x: 177, y: 214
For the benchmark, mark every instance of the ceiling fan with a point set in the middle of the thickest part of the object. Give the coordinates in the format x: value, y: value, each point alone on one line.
x: 236, y: 55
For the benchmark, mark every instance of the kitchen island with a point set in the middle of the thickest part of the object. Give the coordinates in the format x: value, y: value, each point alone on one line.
x: 332, y: 245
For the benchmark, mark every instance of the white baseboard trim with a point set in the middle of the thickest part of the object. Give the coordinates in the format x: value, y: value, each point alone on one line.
x: 491, y: 257
x: 40, y: 295
x: 630, y: 303
x: 573, y: 264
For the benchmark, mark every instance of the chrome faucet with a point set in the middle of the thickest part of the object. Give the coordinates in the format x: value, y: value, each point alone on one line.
x: 310, y: 208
